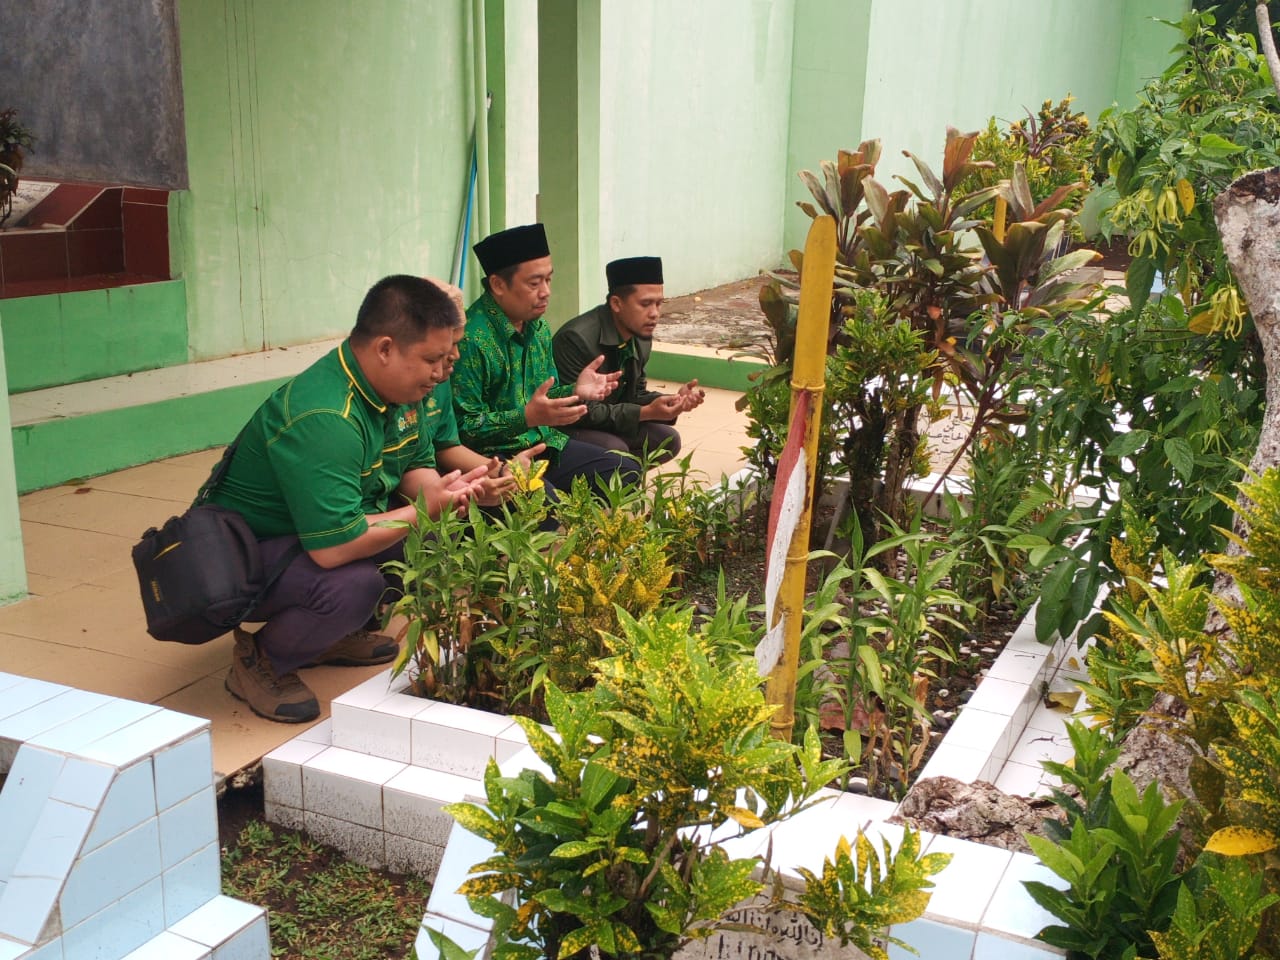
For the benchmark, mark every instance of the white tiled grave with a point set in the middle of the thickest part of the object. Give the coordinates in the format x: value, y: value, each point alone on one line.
x: 109, y: 833
x: 373, y: 779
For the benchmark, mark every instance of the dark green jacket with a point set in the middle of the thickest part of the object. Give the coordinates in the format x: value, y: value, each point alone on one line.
x: 588, y: 336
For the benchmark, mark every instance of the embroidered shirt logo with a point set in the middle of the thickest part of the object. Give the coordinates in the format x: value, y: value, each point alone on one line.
x: 407, y: 419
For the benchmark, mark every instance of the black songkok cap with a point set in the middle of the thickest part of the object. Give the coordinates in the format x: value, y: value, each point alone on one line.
x: 633, y: 270
x: 498, y: 251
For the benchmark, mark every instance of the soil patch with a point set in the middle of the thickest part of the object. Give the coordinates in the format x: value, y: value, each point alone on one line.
x: 719, y: 317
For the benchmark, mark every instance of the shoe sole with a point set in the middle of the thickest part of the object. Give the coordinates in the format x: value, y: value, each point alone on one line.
x: 265, y: 716
x: 353, y: 661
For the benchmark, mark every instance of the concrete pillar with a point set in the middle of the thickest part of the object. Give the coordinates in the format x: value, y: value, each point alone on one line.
x: 13, y: 561
x: 569, y: 150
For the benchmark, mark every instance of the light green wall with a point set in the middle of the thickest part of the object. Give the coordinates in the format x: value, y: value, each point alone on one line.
x: 934, y: 63
x: 69, y: 337
x: 694, y: 100
x: 328, y: 147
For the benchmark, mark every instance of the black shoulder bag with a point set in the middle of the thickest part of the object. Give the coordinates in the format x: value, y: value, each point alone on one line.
x: 201, y: 573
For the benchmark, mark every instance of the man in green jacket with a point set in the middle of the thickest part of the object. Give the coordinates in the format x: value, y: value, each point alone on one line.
x: 632, y: 419
x: 505, y: 391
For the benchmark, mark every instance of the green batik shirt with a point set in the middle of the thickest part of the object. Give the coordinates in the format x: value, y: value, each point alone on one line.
x: 497, y: 372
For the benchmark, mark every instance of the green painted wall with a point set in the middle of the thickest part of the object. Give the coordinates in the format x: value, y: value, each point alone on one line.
x: 69, y: 337
x: 328, y: 146
x: 934, y: 63
x: 13, y: 565
x: 694, y: 100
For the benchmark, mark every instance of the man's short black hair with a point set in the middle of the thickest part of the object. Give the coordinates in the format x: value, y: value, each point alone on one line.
x: 405, y: 309
x: 622, y: 292
x: 506, y: 273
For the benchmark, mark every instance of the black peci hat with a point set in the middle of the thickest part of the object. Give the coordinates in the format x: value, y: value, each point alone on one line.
x: 633, y: 270
x: 500, y: 250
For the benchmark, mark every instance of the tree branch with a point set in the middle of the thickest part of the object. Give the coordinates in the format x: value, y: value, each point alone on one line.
x: 1268, y: 43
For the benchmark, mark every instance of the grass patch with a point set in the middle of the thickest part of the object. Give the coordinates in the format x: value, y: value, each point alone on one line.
x: 320, y: 905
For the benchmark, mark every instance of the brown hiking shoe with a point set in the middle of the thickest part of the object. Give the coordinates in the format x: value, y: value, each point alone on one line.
x: 285, y: 699
x: 363, y: 648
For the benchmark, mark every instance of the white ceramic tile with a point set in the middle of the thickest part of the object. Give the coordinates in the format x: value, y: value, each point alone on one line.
x: 952, y: 760
x: 400, y: 704
x: 50, y: 951
x: 39, y: 717
x: 1020, y: 666
x: 145, y: 737
x: 192, y: 883
x: 111, y: 872
x: 998, y: 696
x: 187, y: 826
x: 130, y: 800
x: 1012, y: 911
x: 469, y: 938
x: 249, y: 943
x: 218, y: 919
x: 25, y: 906
x: 30, y: 781
x: 978, y: 730
x: 1049, y: 719
x: 83, y: 782
x: 126, y: 925
x: 990, y: 946
x: 406, y: 855
x: 288, y: 817
x: 524, y: 759
x: 322, y: 732
x: 8, y: 680
x: 1021, y: 780
x: 362, y: 844
x: 12, y: 950
x: 169, y: 946
x: 509, y: 742
x: 367, y: 694
x: 412, y: 802
x: 458, y: 735
x: 1036, y: 746
x: 808, y: 838
x: 963, y: 890
x: 931, y: 940
x: 464, y: 850
x: 78, y: 732
x: 183, y: 769
x: 347, y: 785
x: 26, y: 694
x: 54, y: 842
x: 366, y: 730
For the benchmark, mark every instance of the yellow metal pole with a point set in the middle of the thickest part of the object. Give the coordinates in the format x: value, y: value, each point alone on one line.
x: 808, y: 373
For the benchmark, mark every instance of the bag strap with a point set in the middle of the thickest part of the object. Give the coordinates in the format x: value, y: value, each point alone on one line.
x: 277, y: 571
x: 220, y: 470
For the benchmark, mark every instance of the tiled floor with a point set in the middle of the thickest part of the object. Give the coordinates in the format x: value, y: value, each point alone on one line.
x: 83, y: 624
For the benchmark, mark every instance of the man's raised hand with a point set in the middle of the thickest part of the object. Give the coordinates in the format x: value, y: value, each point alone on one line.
x: 545, y: 411
x: 691, y: 395
x: 594, y: 385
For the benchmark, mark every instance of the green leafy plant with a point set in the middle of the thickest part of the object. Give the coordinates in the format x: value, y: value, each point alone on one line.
x: 449, y: 585
x: 1218, y: 918
x: 611, y: 844
x: 1122, y: 881
x: 858, y: 894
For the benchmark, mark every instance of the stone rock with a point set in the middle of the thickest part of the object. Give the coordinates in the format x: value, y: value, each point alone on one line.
x: 767, y: 934
x: 976, y: 811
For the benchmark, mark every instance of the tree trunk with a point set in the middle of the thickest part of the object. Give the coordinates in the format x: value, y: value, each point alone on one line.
x: 1248, y: 218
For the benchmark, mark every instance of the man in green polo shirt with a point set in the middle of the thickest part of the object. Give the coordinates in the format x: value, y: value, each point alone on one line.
x: 505, y: 393
x: 633, y: 418
x: 328, y: 456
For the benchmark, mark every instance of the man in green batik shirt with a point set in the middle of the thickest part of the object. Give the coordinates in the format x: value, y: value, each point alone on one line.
x: 505, y: 394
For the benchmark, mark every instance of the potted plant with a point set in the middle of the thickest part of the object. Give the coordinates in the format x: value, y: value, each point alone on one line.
x: 14, y: 138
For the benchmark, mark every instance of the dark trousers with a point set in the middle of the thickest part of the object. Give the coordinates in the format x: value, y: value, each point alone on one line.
x: 653, y: 438
x: 579, y: 459
x: 311, y: 608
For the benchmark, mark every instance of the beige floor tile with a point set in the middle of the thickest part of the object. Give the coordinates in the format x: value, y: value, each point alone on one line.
x: 202, y: 460
x: 87, y: 669
x: 69, y: 554
x: 103, y: 511
x: 162, y: 480
x: 49, y: 493
x: 39, y: 585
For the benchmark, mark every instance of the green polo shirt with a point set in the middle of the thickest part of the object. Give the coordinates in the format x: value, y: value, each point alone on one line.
x: 496, y: 374
x: 324, y: 451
